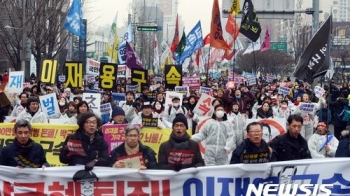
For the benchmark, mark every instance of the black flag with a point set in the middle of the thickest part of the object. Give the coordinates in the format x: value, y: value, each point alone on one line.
x: 250, y: 26
x: 315, y: 60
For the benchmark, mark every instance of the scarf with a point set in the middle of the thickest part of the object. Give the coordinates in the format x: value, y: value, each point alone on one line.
x: 131, y: 151
x: 181, y: 143
x: 262, y: 114
x: 24, y: 149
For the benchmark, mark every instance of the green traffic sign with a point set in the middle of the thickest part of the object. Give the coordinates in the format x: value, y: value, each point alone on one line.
x: 282, y: 39
x: 148, y: 28
x: 280, y: 46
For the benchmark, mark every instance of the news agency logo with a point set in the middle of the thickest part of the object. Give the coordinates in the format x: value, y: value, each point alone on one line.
x: 290, y: 190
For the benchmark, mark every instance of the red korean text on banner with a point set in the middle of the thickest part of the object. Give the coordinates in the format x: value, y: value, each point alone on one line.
x: 180, y: 156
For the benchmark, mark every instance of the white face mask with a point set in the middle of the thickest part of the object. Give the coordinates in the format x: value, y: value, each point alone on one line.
x: 61, y: 103
x: 176, y: 104
x: 158, y: 107
x: 219, y: 114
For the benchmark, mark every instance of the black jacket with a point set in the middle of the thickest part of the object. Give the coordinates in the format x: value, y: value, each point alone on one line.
x: 96, y: 149
x: 247, y: 147
x: 149, y: 156
x: 343, y: 149
x: 338, y: 106
x: 288, y: 148
x: 31, y: 156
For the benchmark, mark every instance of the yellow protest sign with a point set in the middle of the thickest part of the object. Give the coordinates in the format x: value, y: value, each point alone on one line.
x: 108, y: 76
x: 139, y: 77
x: 173, y: 76
x: 50, y: 136
x: 49, y: 71
x: 74, y: 74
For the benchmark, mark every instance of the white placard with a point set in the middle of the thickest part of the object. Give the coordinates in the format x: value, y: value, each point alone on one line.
x: 106, y: 108
x: 49, y: 104
x: 94, y: 102
x: 185, y: 90
x: 283, y: 90
x: 204, y: 107
x: 15, y: 84
x: 307, y: 107
x: 132, y: 88
x: 204, y: 90
x: 319, y: 91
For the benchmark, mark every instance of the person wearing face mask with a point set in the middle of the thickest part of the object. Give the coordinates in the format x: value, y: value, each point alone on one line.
x: 238, y: 121
x: 283, y: 110
x: 175, y: 108
x: 220, y: 139
x: 128, y: 106
x: 146, y: 112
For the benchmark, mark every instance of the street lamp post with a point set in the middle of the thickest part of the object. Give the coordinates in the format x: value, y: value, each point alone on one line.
x: 23, y: 62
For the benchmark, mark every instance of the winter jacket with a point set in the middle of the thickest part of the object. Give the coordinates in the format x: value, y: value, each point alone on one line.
x: 17, y: 110
x: 191, y: 145
x: 173, y: 112
x: 85, y: 151
x: 239, y: 126
x: 338, y: 106
x: 31, y: 155
x: 343, y: 149
x: 39, y: 117
x: 317, y: 143
x: 247, y: 147
x: 129, y: 112
x: 149, y: 156
x: 288, y: 148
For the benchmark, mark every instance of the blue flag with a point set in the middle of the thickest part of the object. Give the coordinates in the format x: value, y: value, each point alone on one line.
x: 74, y: 20
x: 194, y: 41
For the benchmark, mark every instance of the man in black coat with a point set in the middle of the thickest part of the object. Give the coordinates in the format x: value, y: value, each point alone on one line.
x: 23, y: 152
x: 291, y: 145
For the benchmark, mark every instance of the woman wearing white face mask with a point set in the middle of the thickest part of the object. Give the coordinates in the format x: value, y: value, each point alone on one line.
x: 220, y: 139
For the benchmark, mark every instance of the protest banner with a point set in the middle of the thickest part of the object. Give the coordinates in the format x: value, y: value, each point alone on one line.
x: 108, y: 76
x: 49, y: 104
x: 16, y: 79
x: 92, y: 67
x: 62, y: 78
x: 205, y: 90
x: 239, y: 80
x: 307, y: 107
x: 94, y: 101
x: 270, y: 78
x: 319, y: 91
x: 272, y: 127
x: 193, y: 82
x: 173, y: 76
x: 139, y: 77
x: 124, y: 71
x: 132, y: 88
x: 183, y: 90
x: 158, y: 79
x: 149, y: 122
x: 204, y: 106
x: 283, y: 90
x: 238, y: 179
x: 74, y: 73
x: 169, y: 95
x: 106, y: 110
x: 49, y: 71
x: 251, y: 81
x: 50, y: 136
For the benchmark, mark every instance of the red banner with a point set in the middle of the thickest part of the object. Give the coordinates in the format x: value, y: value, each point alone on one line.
x: 193, y: 82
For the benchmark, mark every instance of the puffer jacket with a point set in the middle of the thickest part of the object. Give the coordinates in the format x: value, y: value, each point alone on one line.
x: 86, y: 150
x: 149, y: 156
x: 343, y: 149
x: 239, y: 124
x: 316, y: 145
x: 31, y: 155
x: 39, y: 117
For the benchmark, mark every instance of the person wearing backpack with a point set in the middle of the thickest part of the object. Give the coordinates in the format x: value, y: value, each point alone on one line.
x: 171, y: 111
x: 339, y: 106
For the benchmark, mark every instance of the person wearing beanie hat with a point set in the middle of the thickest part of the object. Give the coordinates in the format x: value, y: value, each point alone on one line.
x: 118, y: 116
x: 146, y: 112
x: 32, y: 113
x: 179, y: 141
x: 219, y: 138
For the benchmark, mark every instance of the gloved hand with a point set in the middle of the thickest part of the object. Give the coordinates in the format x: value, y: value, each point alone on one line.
x: 90, y: 165
x: 177, y: 167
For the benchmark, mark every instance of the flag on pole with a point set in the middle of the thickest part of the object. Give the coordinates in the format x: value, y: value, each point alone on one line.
x: 231, y: 27
x: 315, y: 60
x: 235, y: 7
x: 156, y: 55
x: 74, y: 20
x: 250, y: 26
x: 122, y: 45
x: 176, y: 38
x: 182, y: 44
x: 113, y: 41
x: 132, y: 59
x: 266, y: 44
x: 216, y: 36
x: 206, y: 40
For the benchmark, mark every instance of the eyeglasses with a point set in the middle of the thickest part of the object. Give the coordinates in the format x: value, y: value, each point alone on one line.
x: 91, y: 122
x: 132, y: 136
x: 255, y: 131
x: 179, y: 125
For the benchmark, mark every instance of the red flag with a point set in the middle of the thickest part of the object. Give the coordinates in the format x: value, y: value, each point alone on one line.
x: 176, y: 38
x: 216, y: 37
x: 266, y: 44
x: 229, y: 54
x: 231, y: 27
x: 206, y: 40
x: 199, y: 53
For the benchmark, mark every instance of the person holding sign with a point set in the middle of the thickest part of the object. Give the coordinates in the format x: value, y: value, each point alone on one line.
x: 132, y: 154
x: 179, y: 152
x: 23, y: 152
x: 87, y: 145
x: 322, y: 143
x: 145, y: 115
x: 32, y: 113
x: 220, y: 139
x: 253, y: 149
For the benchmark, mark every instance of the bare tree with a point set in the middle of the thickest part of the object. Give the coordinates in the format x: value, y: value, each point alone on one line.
x: 43, y: 26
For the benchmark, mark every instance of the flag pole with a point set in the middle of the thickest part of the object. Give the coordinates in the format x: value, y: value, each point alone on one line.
x: 208, y: 67
x: 254, y: 55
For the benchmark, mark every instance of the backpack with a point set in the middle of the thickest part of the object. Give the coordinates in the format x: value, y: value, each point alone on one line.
x: 183, y: 109
x: 344, y: 115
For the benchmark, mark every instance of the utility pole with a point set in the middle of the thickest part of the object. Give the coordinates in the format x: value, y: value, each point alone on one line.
x: 315, y: 16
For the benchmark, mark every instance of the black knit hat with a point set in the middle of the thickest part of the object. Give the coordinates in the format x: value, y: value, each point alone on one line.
x: 180, y: 118
x: 117, y: 111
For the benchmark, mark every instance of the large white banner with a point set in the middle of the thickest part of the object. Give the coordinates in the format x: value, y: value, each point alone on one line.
x: 94, y: 102
x: 49, y: 104
x: 235, y: 180
x: 15, y: 84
